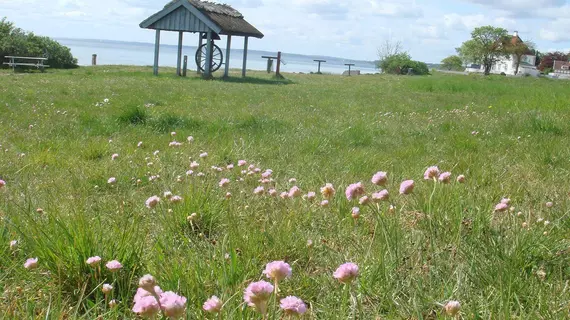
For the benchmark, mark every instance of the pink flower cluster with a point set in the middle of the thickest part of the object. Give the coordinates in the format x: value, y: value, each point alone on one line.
x: 150, y: 300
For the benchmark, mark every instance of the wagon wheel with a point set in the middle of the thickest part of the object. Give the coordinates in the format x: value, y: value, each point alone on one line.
x: 217, y: 58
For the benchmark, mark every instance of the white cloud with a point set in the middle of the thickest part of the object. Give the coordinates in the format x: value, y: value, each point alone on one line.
x: 556, y: 31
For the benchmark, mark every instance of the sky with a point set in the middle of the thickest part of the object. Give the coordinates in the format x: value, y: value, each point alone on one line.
x: 428, y: 30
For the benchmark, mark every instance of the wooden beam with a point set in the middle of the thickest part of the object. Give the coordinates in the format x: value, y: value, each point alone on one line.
x: 156, y: 52
x: 228, y: 45
x: 208, y: 66
x: 179, y: 61
x: 245, y: 43
x: 199, y: 51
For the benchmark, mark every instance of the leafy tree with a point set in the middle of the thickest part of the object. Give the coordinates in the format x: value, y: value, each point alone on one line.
x: 394, y: 60
x: 486, y: 46
x: 547, y: 61
x: 15, y: 41
x: 452, y: 63
x: 518, y: 49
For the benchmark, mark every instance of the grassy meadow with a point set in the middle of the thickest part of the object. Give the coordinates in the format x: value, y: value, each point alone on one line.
x: 510, y: 137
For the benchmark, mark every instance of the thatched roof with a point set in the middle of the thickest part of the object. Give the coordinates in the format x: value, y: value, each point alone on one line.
x: 229, y: 20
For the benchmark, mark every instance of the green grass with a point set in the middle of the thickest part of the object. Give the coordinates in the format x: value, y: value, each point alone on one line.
x: 443, y: 242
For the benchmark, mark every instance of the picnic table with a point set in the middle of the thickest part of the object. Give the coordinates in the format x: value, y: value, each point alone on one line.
x: 36, y: 62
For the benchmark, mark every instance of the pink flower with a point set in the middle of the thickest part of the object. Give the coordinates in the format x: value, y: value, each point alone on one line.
x: 173, y: 305
x: 228, y: 195
x: 194, y: 165
x: 174, y: 144
x: 346, y: 273
x: 107, y: 288
x: 328, y: 191
x: 112, y: 180
x: 242, y: 163
x: 114, y: 265
x: 549, y: 204
x: 311, y: 196
x: 506, y: 201
x: 324, y: 203
x: 113, y: 303
x: 139, y: 144
x: 380, y: 196
x: 292, y: 180
x: 354, y: 190
x: 267, y: 174
x: 189, y: 172
x: 213, y: 305
x: 461, y: 178
x: 13, y: 245
x: 230, y: 166
x: 259, y: 191
x: 444, y: 177
x: 31, y: 263
x: 190, y: 139
x: 167, y: 194
x: 224, y: 182
x: 146, y: 307
x: 141, y: 293
x: 294, y: 192
x: 152, y: 202
x: 173, y: 133
x: 501, y: 207
x: 176, y: 199
x: 380, y: 178
x: 452, y: 308
x: 355, y: 212
x: 284, y: 195
x: 114, y: 156
x: 147, y: 282
x: 2, y: 183
x: 273, y: 192
x: 93, y: 261
x: 407, y: 187
x: 257, y: 294
x: 203, y: 155
x: 277, y: 270
x: 431, y: 173
x: 293, y: 306
x: 364, y: 200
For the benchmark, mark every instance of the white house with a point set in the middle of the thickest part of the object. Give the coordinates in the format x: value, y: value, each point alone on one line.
x: 508, y: 65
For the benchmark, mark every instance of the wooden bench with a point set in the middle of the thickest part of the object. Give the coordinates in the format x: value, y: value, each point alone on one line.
x: 35, y: 62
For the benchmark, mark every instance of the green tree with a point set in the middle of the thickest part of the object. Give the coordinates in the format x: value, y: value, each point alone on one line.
x: 518, y: 49
x: 486, y: 46
x: 452, y: 63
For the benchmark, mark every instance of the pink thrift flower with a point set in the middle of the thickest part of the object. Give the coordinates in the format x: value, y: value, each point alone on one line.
x: 461, y: 178
x: 501, y: 207
x: 190, y: 139
x: 294, y: 192
x: 176, y: 199
x: 114, y: 156
x: 311, y: 196
x: 203, y: 155
x: 228, y: 195
x: 152, y: 202
x: 354, y: 190
x: 355, y: 212
x: 259, y: 191
x: 146, y: 307
x: 549, y: 204
x: 284, y: 195
x: 431, y: 173
x: 346, y: 273
x: 273, y: 192
x: 242, y: 163
x: 93, y: 261
x: 213, y: 305
x: 147, y: 282
x: 141, y: 293
x: 380, y: 196
x: 112, y: 180
x: 506, y: 201
x: 293, y: 306
x: 173, y: 133
x: 267, y: 174
x: 2, y: 183
x: 107, y: 288
x: 189, y: 172
x: 328, y: 191
x: 277, y: 270
x: 194, y: 165
x: 257, y: 294
x: 364, y: 200
x: 173, y: 305
x: 444, y: 177
x: 324, y: 203
x: 224, y: 182
x: 167, y: 194
x: 31, y: 263
x: 230, y: 166
x: 114, y: 265
x: 139, y: 144
x: 407, y: 187
x: 13, y: 245
x: 380, y: 178
x: 452, y: 308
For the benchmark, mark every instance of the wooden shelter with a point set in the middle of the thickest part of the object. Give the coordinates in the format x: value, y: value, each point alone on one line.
x: 209, y: 20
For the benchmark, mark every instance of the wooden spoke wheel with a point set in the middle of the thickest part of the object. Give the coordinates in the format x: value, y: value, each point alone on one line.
x: 217, y: 58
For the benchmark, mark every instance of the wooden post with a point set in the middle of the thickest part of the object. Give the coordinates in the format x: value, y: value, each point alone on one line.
x: 245, y: 43
x: 269, y: 65
x: 278, y: 67
x: 94, y: 60
x: 228, y: 45
x: 185, y: 66
x: 199, y: 51
x: 179, y: 60
x: 208, y: 66
x: 156, y: 52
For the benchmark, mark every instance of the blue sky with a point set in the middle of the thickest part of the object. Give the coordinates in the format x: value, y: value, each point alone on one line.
x: 429, y: 30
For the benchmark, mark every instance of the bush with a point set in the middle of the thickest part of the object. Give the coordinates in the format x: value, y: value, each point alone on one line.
x: 400, y: 63
x: 15, y: 41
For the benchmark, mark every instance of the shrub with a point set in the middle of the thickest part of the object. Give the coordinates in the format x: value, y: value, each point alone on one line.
x: 400, y: 63
x: 15, y: 41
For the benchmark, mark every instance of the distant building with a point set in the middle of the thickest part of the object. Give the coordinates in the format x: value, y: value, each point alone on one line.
x: 562, y: 67
x: 508, y: 65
